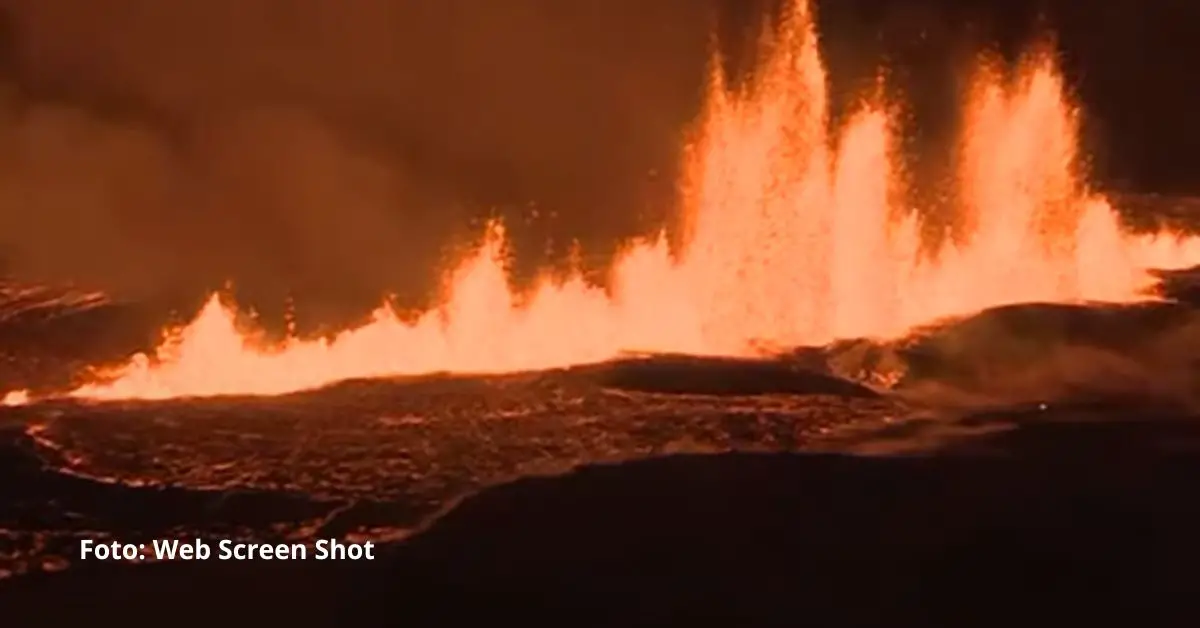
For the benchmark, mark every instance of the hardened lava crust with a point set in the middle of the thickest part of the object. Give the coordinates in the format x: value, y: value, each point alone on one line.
x: 380, y: 458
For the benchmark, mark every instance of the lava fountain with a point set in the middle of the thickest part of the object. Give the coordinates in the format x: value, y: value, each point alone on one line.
x: 794, y: 235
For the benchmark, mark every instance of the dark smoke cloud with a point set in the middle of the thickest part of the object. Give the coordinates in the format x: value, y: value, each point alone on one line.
x: 333, y: 147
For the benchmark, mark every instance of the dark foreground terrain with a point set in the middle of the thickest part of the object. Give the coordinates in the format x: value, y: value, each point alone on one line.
x: 1041, y: 513
x: 1060, y: 521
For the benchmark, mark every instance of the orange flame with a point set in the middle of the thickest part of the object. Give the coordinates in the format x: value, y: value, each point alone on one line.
x: 793, y: 238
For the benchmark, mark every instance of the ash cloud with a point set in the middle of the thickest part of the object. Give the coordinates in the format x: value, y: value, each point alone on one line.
x: 301, y: 146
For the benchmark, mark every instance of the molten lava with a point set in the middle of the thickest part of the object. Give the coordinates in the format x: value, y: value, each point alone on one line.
x: 793, y: 237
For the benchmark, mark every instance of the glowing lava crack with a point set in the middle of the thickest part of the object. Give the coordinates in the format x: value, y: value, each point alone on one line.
x: 794, y: 237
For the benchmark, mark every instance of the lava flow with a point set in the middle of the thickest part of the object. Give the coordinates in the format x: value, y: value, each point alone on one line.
x: 794, y: 236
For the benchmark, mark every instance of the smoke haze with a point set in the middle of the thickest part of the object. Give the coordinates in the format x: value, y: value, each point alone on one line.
x: 334, y: 149
x: 328, y: 147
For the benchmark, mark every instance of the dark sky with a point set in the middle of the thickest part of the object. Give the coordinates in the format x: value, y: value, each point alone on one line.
x: 335, y: 148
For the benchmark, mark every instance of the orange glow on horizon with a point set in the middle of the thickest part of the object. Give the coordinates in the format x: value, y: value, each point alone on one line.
x: 793, y: 238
